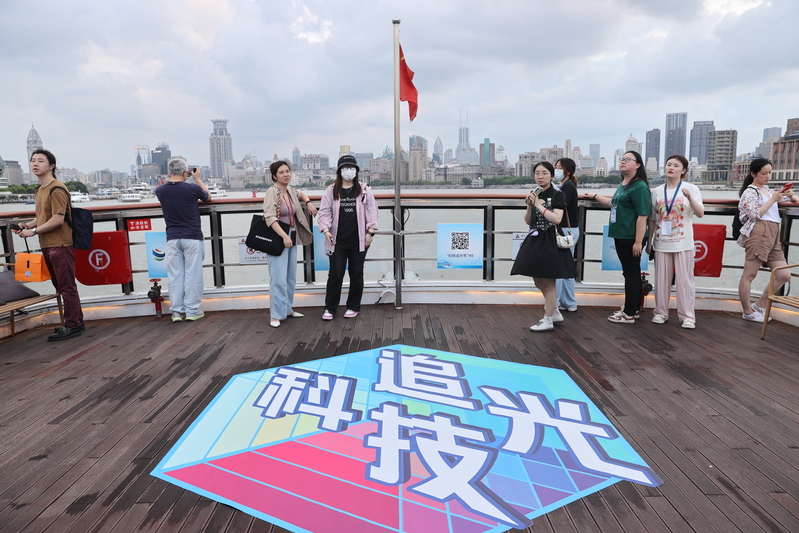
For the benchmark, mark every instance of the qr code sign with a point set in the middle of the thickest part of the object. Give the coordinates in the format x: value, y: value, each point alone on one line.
x: 459, y: 240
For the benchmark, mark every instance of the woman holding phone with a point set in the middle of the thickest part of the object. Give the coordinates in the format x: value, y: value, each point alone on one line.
x: 760, y: 234
x: 539, y: 256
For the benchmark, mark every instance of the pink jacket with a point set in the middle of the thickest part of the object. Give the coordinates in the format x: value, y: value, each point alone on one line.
x: 365, y: 213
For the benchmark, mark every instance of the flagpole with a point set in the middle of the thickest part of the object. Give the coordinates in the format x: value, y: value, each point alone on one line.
x: 398, y: 259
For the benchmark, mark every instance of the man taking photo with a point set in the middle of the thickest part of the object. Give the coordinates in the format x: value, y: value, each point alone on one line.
x: 185, y: 248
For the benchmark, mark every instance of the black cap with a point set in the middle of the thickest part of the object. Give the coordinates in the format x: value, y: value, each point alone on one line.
x: 347, y: 160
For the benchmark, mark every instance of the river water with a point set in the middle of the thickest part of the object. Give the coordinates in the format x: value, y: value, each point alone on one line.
x: 416, y: 245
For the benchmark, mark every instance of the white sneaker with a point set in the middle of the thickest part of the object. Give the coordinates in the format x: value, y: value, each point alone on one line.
x: 688, y: 324
x: 557, y: 317
x: 660, y: 319
x: 564, y: 308
x: 754, y: 317
x: 545, y: 324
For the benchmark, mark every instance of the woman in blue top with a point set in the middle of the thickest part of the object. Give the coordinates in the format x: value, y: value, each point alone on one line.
x: 629, y: 211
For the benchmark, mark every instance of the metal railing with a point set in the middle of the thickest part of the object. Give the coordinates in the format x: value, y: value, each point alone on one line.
x: 491, y: 206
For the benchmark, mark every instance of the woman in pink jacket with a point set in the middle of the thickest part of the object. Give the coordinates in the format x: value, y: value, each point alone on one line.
x: 348, y: 219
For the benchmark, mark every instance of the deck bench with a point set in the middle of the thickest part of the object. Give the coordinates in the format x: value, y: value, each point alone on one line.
x: 13, y: 307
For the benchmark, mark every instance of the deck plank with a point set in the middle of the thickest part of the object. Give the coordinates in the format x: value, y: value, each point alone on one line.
x: 715, y: 411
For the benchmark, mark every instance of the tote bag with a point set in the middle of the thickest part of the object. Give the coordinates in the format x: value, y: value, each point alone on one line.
x: 263, y: 238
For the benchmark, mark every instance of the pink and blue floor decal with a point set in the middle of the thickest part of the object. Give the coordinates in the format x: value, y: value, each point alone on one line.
x: 401, y: 439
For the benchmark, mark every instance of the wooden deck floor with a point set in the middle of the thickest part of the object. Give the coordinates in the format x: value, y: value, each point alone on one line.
x: 714, y: 411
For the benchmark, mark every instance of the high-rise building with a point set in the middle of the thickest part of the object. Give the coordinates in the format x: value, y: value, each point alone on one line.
x: 12, y: 172
x: 772, y: 133
x: 567, y: 149
x: 34, y: 143
x: 653, y: 146
x: 676, y: 130
x: 464, y: 153
x: 699, y: 136
x: 295, y: 157
x: 447, y: 157
x: 593, y: 150
x: 221, y: 146
x: 722, y: 146
x: 438, y: 152
x: 417, y: 142
x: 487, y: 153
x: 160, y: 157
x: 344, y: 149
x: 616, y: 156
x: 792, y: 127
x: 417, y: 164
x: 632, y: 145
x: 785, y: 157
x: 364, y: 159
x: 577, y: 154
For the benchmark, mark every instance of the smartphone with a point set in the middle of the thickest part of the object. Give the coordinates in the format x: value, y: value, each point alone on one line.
x: 786, y: 187
x: 15, y: 227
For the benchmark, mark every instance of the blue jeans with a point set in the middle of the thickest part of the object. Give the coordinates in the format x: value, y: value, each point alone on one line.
x: 565, y: 287
x: 184, y: 266
x: 282, y: 279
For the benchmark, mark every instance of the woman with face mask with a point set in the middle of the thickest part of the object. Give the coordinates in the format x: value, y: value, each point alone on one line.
x: 348, y: 220
x: 564, y: 174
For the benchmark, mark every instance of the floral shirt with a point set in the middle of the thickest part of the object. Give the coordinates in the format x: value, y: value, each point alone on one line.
x: 749, y: 207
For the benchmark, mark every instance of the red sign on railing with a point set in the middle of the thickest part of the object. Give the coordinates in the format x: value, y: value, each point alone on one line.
x: 139, y: 224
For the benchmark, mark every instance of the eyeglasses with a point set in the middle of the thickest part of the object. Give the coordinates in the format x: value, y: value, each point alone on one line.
x: 626, y: 159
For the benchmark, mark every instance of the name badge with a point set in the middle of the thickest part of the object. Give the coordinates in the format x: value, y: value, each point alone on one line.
x: 612, y: 215
x: 665, y: 227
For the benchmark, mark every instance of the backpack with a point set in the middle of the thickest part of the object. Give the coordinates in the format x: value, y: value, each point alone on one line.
x: 736, y: 224
x: 82, y: 223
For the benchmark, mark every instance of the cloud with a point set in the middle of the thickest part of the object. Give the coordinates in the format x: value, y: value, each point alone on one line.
x: 98, y: 78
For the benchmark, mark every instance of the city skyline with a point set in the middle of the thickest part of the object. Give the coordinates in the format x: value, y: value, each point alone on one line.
x: 98, y: 84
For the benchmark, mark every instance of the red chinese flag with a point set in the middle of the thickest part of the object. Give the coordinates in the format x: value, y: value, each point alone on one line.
x: 408, y: 92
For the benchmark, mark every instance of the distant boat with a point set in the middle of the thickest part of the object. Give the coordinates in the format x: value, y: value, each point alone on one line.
x: 216, y: 192
x: 78, y: 196
x: 106, y: 193
x: 129, y: 197
x: 144, y: 190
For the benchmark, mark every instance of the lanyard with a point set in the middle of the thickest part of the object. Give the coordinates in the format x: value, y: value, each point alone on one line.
x: 673, y: 198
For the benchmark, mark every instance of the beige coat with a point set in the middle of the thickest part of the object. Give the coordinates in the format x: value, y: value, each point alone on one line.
x: 303, y: 227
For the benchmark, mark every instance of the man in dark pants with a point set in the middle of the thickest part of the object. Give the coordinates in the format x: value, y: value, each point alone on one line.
x: 55, y: 240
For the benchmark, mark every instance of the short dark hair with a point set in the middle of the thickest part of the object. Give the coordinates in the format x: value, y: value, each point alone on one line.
x: 46, y: 153
x: 274, y: 167
x: 547, y: 165
x: 683, y: 162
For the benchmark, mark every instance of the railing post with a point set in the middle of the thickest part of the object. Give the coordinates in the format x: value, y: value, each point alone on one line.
x: 488, y: 242
x: 121, y: 225
x: 579, y: 247
x: 217, y: 248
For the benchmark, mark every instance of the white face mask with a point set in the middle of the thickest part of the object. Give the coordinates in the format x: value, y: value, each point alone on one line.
x: 348, y: 173
x: 558, y: 174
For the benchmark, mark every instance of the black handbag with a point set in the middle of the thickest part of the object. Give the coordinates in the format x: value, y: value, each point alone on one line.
x: 263, y: 238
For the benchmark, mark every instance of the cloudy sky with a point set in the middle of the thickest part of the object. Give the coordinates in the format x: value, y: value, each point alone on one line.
x: 97, y: 78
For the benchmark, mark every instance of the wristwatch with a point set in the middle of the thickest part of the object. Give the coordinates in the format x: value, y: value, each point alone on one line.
x: 35, y: 231
x: 370, y: 233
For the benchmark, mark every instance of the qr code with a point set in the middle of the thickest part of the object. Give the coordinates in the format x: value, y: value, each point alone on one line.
x: 459, y: 240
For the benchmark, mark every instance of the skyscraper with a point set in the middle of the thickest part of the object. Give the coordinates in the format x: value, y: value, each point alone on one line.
x: 221, y: 148
x: 722, y: 147
x: 632, y: 145
x: 295, y: 157
x: 487, y: 153
x: 593, y: 150
x: 676, y: 129
x: 567, y: 149
x: 772, y: 133
x: 699, y: 136
x: 438, y: 151
x: 653, y: 145
x: 161, y: 156
x: 34, y: 143
x: 417, y: 142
